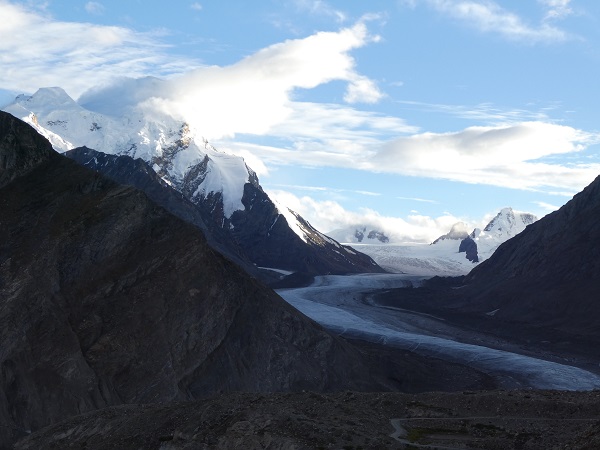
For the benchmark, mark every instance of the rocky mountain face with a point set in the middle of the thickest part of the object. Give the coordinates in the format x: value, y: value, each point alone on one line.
x: 548, y: 274
x: 469, y: 247
x: 264, y: 232
x: 220, y: 184
x: 107, y: 299
x: 20, y: 150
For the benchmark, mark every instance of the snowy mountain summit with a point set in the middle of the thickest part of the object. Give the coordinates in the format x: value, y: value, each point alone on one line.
x: 505, y: 225
x: 221, y: 183
x: 181, y: 157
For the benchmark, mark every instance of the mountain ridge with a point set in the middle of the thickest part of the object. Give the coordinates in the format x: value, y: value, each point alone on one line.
x: 216, y: 181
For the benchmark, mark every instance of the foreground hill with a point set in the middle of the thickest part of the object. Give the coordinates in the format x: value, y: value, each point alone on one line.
x: 107, y: 299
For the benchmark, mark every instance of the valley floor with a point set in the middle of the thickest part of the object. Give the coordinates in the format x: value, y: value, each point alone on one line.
x: 347, y: 420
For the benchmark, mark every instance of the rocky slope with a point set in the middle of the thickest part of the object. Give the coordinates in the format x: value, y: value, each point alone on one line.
x: 107, y: 299
x: 218, y: 183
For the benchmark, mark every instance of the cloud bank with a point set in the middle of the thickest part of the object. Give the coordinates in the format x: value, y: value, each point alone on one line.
x: 505, y: 155
x: 256, y: 97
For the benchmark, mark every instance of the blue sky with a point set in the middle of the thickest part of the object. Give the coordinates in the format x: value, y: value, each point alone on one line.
x: 407, y: 114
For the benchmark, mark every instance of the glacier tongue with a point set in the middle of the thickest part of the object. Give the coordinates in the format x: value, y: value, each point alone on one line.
x: 175, y: 151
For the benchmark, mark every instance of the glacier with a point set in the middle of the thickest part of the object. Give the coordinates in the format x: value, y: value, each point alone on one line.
x: 336, y: 302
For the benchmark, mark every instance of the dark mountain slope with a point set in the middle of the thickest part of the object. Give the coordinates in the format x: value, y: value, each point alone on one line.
x: 20, y: 150
x: 550, y: 273
x: 540, y: 289
x: 137, y: 173
x: 269, y: 241
x: 106, y: 299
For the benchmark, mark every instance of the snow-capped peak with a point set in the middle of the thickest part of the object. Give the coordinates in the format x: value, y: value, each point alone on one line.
x: 509, y: 223
x: 176, y: 152
x: 54, y: 97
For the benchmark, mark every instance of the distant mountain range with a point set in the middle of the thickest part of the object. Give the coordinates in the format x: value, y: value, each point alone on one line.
x: 225, y: 189
x: 452, y: 254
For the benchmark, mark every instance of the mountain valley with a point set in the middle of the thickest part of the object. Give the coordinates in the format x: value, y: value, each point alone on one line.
x: 114, y: 297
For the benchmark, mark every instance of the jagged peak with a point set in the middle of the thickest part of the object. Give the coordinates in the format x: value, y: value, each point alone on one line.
x: 509, y: 220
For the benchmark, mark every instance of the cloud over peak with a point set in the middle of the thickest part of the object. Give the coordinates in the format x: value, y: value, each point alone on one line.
x: 255, y: 94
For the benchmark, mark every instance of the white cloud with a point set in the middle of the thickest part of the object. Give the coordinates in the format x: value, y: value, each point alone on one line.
x: 320, y: 7
x: 417, y: 199
x: 196, y: 6
x: 504, y: 155
x: 362, y: 90
x: 330, y: 215
x: 94, y: 8
x: 547, y: 206
x: 36, y: 51
x: 254, y: 95
x: 557, y: 9
x: 518, y: 155
x: 488, y: 16
x: 326, y: 189
x: 484, y: 111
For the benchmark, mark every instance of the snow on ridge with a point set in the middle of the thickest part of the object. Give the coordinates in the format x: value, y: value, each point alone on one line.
x: 291, y: 220
x: 170, y: 147
x: 227, y: 174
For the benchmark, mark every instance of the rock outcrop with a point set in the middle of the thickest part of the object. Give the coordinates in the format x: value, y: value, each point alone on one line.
x: 469, y: 247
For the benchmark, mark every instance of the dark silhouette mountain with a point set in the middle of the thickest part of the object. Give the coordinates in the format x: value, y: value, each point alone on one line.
x: 549, y: 274
x: 107, y: 299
